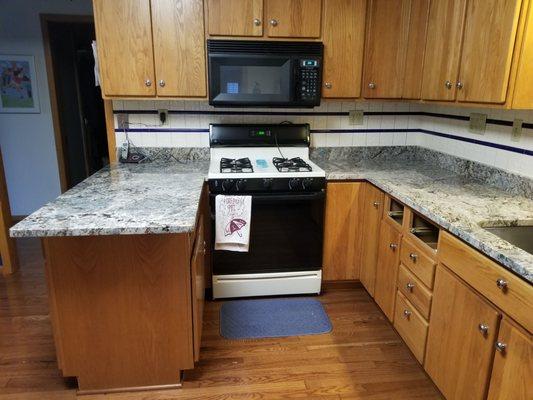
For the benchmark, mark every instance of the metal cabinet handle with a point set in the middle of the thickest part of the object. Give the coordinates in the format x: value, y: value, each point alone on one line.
x: 148, y: 82
x: 328, y: 85
x: 407, y: 313
x: 376, y: 204
x: 413, y: 256
x: 205, y: 248
x: 501, y: 283
x: 501, y: 347
x: 459, y: 85
x: 484, y: 329
x: 371, y: 85
x: 274, y: 22
x: 257, y: 22
x: 410, y: 286
x: 448, y: 85
x: 393, y: 246
x: 162, y: 83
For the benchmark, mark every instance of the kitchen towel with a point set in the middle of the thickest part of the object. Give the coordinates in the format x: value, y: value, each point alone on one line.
x: 232, y: 222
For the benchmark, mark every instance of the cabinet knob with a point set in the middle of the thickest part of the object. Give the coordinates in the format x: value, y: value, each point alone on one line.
x: 148, y: 82
x: 257, y: 22
x: 407, y: 313
x: 328, y: 85
x: 204, y: 250
x: 410, y: 286
x: 274, y: 22
x: 459, y: 85
x: 162, y: 83
x: 501, y: 347
x: 501, y: 283
x: 376, y: 204
x: 484, y: 329
x: 413, y: 256
x: 371, y: 85
x: 393, y: 246
x: 448, y: 85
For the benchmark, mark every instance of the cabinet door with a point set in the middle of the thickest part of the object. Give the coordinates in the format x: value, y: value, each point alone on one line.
x: 373, y: 209
x: 343, y: 33
x: 235, y: 17
x: 523, y: 94
x: 198, y: 286
x: 124, y: 39
x: 179, y: 50
x: 443, y: 49
x: 342, y: 231
x: 386, y: 46
x: 293, y: 18
x: 513, y: 365
x: 461, y: 339
x: 387, y: 268
x: 490, y: 32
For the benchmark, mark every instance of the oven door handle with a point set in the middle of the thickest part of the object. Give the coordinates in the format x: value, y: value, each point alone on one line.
x: 287, y: 197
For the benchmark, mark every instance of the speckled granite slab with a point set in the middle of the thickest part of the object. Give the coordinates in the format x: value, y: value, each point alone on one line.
x: 124, y: 199
x: 457, y: 203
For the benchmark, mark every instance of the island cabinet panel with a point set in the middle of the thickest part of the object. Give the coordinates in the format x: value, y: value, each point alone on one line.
x: 343, y: 231
x: 235, y: 17
x: 443, y: 49
x: 121, y: 309
x: 460, y: 344
x: 293, y: 18
x: 488, y: 44
x: 343, y: 37
x: 513, y: 364
x: 124, y: 40
x: 179, y: 51
x: 373, y: 201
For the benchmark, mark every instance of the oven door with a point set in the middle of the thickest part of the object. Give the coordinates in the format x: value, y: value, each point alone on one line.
x: 286, y: 234
x: 251, y: 79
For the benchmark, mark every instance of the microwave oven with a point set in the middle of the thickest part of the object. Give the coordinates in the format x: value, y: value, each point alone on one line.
x: 246, y: 73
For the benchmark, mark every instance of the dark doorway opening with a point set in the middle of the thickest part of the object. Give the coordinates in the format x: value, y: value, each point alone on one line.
x: 77, y: 105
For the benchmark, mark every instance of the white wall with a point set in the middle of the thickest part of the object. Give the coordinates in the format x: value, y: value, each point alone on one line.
x: 27, y: 140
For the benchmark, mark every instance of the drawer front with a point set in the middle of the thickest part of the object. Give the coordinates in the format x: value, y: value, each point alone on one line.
x: 411, y: 326
x: 508, y: 292
x: 415, y: 291
x: 418, y: 262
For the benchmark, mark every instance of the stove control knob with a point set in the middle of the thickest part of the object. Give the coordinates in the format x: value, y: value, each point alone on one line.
x: 228, y: 185
x: 307, y: 183
x: 267, y: 183
x: 295, y: 183
x: 240, y: 185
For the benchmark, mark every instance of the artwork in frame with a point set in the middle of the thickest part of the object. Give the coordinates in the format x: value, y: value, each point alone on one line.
x: 18, y: 84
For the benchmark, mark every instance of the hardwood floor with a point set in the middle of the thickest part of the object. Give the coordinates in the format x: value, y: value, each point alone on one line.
x: 363, y: 358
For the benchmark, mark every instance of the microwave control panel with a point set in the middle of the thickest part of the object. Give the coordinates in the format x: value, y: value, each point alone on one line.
x: 309, y: 79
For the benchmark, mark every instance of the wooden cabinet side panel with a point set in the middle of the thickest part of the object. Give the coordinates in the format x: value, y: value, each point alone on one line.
x: 179, y: 49
x: 198, y: 280
x: 295, y: 18
x: 234, y: 17
x: 523, y: 91
x: 343, y: 38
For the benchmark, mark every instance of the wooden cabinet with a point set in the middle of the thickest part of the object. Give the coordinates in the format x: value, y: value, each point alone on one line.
x: 343, y: 37
x: 387, y: 267
x: 179, y: 53
x: 198, y: 284
x: 125, y: 55
x: 411, y: 326
x: 342, y: 231
x: 523, y: 88
x: 235, y: 17
x: 293, y: 18
x: 461, y: 338
x: 513, y: 364
x: 372, y: 211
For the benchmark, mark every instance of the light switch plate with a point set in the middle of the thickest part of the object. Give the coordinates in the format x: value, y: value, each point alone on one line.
x: 516, y: 133
x: 478, y: 123
x: 356, y: 117
x: 122, y: 121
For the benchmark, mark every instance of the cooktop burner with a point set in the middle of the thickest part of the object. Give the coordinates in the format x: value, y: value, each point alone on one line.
x: 295, y: 164
x: 236, y: 165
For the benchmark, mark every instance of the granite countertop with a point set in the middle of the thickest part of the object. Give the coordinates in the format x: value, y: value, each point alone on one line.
x: 454, y: 202
x: 158, y: 197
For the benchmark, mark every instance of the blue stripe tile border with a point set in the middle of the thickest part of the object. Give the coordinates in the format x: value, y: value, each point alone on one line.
x: 392, y: 130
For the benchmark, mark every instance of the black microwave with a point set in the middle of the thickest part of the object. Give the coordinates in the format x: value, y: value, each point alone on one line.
x: 264, y: 73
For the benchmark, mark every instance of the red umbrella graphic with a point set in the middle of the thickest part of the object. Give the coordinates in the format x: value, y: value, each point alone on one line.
x: 235, y: 225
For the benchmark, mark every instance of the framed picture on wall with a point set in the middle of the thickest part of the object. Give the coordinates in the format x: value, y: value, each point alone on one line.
x: 18, y: 85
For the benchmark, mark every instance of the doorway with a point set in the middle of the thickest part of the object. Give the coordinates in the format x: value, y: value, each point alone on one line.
x: 77, y: 106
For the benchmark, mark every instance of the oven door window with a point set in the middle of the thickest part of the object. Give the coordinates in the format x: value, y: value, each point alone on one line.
x: 285, y: 236
x: 250, y: 79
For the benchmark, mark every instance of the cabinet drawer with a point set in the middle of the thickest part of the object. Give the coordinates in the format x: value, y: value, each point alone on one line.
x: 418, y: 262
x: 510, y: 293
x: 411, y: 326
x: 415, y: 291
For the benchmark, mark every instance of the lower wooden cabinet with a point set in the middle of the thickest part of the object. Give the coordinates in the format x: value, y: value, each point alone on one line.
x: 411, y: 326
x: 198, y: 284
x: 387, y: 267
x: 460, y: 343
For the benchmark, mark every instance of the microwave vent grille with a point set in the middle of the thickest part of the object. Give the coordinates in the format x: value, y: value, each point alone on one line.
x: 265, y: 47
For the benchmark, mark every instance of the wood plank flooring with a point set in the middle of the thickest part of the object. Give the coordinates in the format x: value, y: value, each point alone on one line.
x: 363, y: 358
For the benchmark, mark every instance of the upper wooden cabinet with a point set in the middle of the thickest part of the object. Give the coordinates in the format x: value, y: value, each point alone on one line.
x: 125, y: 55
x: 523, y: 88
x: 235, y: 17
x: 343, y: 31
x: 293, y: 18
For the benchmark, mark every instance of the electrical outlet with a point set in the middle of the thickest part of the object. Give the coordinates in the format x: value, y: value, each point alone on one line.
x: 122, y: 121
x: 163, y: 116
x: 478, y: 123
x: 516, y: 133
x: 356, y: 117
